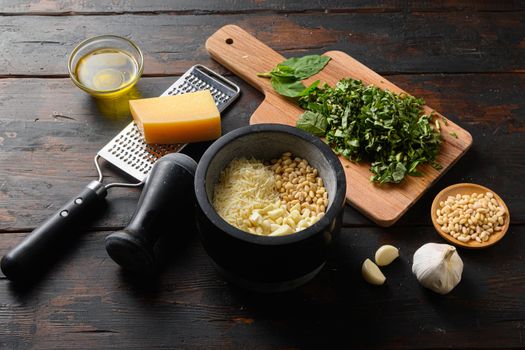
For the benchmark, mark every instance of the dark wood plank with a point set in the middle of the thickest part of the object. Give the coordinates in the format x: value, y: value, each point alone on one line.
x: 48, y: 143
x: 386, y: 42
x: 43, y: 7
x: 85, y: 302
x: 50, y: 131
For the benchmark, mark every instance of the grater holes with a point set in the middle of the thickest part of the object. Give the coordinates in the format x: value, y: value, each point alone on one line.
x: 140, y: 160
x: 142, y: 156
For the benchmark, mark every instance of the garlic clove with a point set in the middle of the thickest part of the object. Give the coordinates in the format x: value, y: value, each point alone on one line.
x: 371, y: 273
x: 386, y: 254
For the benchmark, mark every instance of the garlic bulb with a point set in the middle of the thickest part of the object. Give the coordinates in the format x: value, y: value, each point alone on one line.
x: 438, y: 267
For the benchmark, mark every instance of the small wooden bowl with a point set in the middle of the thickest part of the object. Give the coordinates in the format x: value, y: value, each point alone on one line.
x: 468, y: 188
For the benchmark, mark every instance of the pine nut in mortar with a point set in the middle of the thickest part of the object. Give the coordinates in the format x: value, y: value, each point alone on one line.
x: 471, y: 217
x: 275, y: 199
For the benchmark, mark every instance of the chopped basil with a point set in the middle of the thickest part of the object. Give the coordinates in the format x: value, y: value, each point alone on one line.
x: 366, y: 123
x: 362, y: 123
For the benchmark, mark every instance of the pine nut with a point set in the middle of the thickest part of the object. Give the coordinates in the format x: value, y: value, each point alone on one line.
x: 470, y: 217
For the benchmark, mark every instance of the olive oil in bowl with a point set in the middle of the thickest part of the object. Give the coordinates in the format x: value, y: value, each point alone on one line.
x: 106, y: 70
x: 107, y: 66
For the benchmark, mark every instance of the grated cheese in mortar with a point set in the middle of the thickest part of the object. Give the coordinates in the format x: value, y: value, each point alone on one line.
x: 244, y: 186
x: 248, y: 198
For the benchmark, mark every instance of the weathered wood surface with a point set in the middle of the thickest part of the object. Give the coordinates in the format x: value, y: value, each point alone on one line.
x: 465, y: 58
x: 386, y: 42
x: 48, y: 144
x: 62, y: 7
x: 87, y: 302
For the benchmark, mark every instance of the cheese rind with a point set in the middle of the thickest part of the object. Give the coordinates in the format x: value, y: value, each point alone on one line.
x: 185, y: 118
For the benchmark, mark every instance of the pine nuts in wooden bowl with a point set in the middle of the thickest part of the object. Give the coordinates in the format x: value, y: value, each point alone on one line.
x: 470, y: 216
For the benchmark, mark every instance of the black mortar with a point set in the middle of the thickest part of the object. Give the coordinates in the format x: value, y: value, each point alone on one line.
x: 261, y: 263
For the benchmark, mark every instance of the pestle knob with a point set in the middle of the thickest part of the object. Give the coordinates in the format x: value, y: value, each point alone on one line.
x: 166, y: 203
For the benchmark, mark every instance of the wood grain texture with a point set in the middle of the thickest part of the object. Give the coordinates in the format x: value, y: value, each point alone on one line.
x: 48, y: 147
x: 36, y: 135
x: 66, y: 7
x: 86, y: 302
x: 49, y: 131
x: 386, y: 42
x: 246, y: 56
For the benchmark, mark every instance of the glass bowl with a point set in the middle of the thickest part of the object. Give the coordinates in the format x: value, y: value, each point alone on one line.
x: 105, y: 42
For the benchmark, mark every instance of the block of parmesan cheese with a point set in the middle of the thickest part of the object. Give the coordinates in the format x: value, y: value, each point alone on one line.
x: 182, y: 118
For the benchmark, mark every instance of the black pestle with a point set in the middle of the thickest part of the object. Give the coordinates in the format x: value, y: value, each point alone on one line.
x: 165, y: 207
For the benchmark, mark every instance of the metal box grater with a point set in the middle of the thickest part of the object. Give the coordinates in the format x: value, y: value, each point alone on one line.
x: 128, y: 152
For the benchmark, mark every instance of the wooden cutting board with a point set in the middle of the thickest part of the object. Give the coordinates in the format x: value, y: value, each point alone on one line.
x: 246, y: 56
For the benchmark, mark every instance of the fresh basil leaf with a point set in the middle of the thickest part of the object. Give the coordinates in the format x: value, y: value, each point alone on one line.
x: 306, y: 66
x: 286, y: 77
x: 287, y: 87
x: 313, y: 123
x: 284, y: 71
x: 309, y: 89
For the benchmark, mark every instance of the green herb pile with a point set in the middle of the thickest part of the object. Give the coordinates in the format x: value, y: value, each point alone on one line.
x: 363, y: 123
x: 366, y: 123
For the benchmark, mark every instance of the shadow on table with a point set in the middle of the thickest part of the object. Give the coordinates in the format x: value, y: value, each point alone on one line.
x: 339, y: 307
x: 174, y: 252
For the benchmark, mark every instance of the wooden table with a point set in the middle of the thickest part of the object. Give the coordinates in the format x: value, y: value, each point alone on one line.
x: 466, y: 59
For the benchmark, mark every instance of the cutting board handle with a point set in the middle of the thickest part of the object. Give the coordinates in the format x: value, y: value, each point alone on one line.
x: 244, y: 55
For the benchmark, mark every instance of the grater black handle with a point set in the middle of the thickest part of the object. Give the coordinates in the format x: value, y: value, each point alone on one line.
x: 39, y: 248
